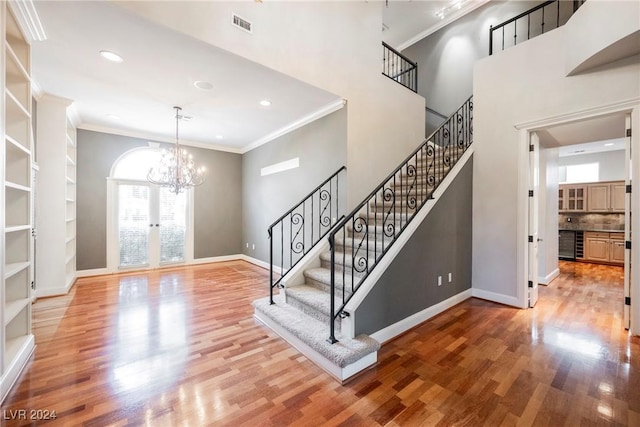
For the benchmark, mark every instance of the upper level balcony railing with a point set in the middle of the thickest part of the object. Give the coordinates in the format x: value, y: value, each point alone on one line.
x: 535, y: 21
x: 398, y: 67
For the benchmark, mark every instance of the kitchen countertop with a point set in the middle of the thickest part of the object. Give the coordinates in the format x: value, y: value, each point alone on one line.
x: 595, y: 230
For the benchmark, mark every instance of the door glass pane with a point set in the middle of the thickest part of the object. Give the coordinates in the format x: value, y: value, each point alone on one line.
x: 173, y: 225
x: 133, y: 224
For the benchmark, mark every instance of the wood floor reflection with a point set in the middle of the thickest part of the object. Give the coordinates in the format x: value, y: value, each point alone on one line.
x: 181, y: 348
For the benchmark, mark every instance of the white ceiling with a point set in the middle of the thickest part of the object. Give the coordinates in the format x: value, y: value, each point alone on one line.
x: 159, y: 70
x: 406, y: 22
x: 598, y: 134
x: 160, y: 67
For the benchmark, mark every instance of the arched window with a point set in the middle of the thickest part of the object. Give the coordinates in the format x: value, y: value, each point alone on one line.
x: 135, y: 164
x: 148, y: 226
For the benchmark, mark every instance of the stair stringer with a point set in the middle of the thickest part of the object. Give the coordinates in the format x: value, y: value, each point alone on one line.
x: 348, y: 323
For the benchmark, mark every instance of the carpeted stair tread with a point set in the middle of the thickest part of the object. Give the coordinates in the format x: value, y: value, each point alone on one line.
x: 312, y: 301
x: 315, y: 333
x: 323, y: 276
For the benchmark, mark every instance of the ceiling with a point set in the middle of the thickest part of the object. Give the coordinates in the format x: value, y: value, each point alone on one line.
x: 160, y: 67
x: 136, y: 97
x: 406, y: 22
x: 598, y: 134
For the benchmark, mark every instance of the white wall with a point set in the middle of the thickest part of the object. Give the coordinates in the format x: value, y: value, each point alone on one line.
x: 610, y: 164
x: 524, y: 84
x: 335, y: 46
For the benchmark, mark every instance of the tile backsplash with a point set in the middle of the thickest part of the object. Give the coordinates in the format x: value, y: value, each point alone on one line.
x: 591, y: 221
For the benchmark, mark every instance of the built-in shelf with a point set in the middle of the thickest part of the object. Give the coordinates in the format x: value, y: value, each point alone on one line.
x: 17, y: 145
x: 16, y: 339
x: 12, y: 56
x: 15, y: 268
x: 17, y: 186
x: 13, y: 308
x: 17, y: 228
x: 70, y: 141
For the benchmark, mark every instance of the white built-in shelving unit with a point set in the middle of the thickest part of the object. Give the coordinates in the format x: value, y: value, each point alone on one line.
x: 17, y: 341
x: 56, y: 197
x: 70, y: 200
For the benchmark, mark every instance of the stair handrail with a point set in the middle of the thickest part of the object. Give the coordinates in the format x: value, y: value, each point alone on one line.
x: 459, y: 123
x: 528, y: 13
x: 399, y: 68
x: 297, y: 246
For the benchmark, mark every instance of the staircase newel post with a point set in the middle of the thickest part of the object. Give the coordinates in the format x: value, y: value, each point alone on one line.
x: 270, y: 266
x: 332, y: 337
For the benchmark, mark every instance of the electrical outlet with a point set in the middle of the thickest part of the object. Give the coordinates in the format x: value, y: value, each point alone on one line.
x: 439, y: 280
x: 449, y: 277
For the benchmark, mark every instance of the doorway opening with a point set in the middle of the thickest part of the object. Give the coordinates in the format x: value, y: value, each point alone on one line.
x: 583, y: 170
x: 148, y: 226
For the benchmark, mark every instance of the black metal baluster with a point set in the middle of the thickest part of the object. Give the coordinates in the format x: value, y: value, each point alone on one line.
x: 304, y: 215
x: 270, y: 265
x: 543, y: 20
x: 502, y: 38
x: 281, y: 248
x: 558, y: 16
x: 332, y: 335
x: 528, y: 27
x: 319, y: 221
x: 515, y: 32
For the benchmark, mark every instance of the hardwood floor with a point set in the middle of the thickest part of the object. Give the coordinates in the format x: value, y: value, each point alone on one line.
x: 181, y: 348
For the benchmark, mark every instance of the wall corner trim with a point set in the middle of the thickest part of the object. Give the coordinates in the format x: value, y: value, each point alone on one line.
x: 549, y: 277
x: 29, y: 20
x: 495, y: 297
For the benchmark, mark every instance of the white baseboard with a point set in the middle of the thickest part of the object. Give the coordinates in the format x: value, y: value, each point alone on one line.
x: 92, y: 272
x: 494, y: 297
x: 15, y: 367
x: 549, y: 277
x: 341, y: 374
x: 213, y: 259
x: 390, y: 332
x: 260, y: 263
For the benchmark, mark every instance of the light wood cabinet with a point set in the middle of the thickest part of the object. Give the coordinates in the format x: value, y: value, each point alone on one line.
x: 603, y: 197
x: 617, y: 198
x: 572, y: 198
x: 617, y: 248
x: 604, y: 247
x: 17, y: 341
x: 606, y: 197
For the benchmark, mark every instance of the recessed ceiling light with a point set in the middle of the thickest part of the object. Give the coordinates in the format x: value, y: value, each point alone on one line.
x: 608, y: 144
x: 218, y: 136
x: 265, y: 102
x: 203, y: 85
x: 113, y: 57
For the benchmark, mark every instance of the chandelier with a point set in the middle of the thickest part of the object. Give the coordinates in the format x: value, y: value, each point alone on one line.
x: 176, y: 169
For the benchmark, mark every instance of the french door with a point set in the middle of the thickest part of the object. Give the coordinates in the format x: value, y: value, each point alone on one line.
x: 150, y: 225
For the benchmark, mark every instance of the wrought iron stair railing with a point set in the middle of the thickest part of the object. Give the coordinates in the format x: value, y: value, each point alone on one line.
x: 399, y: 68
x: 303, y: 226
x: 361, y: 239
x: 544, y: 17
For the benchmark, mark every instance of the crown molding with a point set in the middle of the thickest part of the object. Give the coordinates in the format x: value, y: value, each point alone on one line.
x: 318, y: 114
x: 470, y: 7
x: 28, y: 19
x: 150, y: 137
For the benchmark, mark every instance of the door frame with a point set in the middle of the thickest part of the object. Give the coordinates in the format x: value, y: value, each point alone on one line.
x: 631, y: 107
x: 112, y: 228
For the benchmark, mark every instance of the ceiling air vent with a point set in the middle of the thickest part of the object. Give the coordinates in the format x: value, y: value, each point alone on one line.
x: 241, y: 23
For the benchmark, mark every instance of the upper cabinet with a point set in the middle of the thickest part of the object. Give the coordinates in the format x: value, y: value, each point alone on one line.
x: 572, y: 198
x: 606, y: 197
x: 602, y: 197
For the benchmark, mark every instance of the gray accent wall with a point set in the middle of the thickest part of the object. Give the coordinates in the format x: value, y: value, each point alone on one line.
x: 321, y: 147
x: 217, y: 202
x: 441, y: 245
x: 445, y: 58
